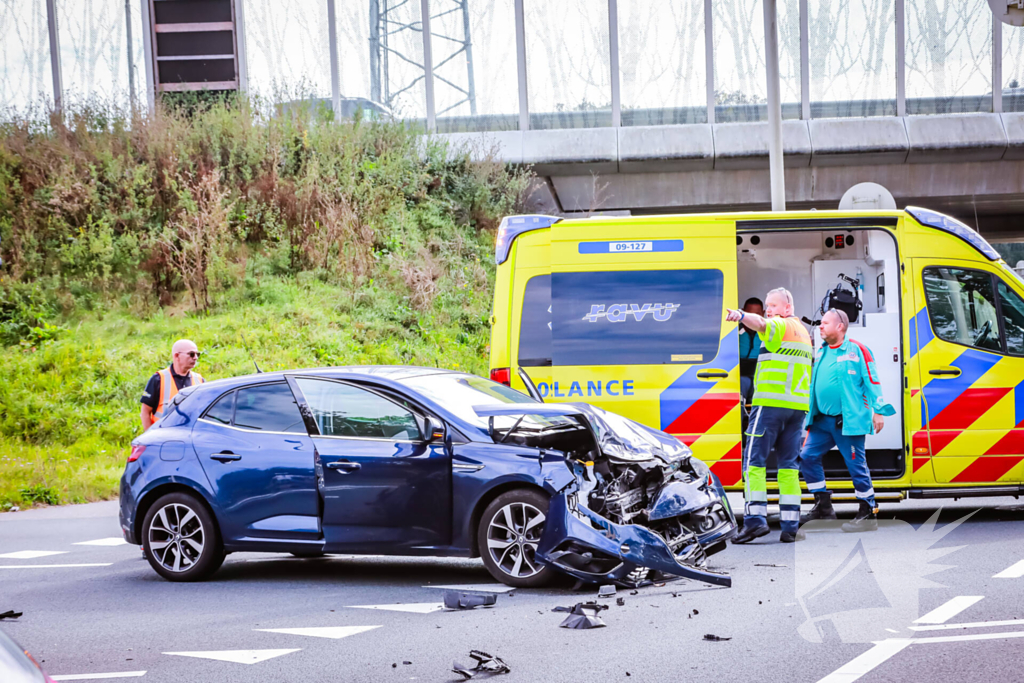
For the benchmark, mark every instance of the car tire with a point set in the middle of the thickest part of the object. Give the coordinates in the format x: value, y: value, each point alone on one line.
x: 181, y: 538
x: 508, y: 551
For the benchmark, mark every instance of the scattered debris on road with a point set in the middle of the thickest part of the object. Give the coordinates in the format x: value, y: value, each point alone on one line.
x: 583, y: 615
x: 485, y: 663
x: 464, y: 600
x: 715, y: 639
x: 606, y: 591
x: 10, y: 614
x: 780, y: 566
x: 621, y: 602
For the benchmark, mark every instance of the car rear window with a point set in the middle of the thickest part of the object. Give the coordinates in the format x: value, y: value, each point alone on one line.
x: 645, y: 317
x: 535, y: 324
x: 268, y: 408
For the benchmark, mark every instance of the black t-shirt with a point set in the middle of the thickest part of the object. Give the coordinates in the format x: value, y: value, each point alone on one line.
x: 151, y: 396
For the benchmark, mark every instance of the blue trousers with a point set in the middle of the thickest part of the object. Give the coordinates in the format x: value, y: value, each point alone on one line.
x: 778, y: 428
x: 821, y: 437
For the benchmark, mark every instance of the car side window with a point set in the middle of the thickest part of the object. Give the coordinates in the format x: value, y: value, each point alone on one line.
x: 961, y: 305
x: 1013, y: 319
x: 268, y: 408
x: 223, y: 410
x: 345, y: 410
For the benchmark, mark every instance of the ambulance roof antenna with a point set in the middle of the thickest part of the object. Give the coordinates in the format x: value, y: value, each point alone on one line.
x: 245, y: 345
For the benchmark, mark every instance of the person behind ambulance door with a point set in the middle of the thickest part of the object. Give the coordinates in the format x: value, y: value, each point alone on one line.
x: 750, y: 348
x: 165, y: 384
x: 846, y: 405
x: 782, y: 383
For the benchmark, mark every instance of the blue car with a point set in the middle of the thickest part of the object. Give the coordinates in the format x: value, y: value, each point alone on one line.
x: 417, y: 461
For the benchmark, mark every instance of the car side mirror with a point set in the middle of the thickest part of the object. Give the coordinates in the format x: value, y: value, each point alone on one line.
x: 435, y: 430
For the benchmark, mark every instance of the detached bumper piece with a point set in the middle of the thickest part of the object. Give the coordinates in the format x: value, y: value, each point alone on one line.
x: 586, y: 546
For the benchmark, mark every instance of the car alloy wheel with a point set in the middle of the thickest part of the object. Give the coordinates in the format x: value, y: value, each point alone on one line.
x: 512, y: 537
x: 177, y: 537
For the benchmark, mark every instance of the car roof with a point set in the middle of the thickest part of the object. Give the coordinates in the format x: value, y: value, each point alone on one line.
x: 394, y: 373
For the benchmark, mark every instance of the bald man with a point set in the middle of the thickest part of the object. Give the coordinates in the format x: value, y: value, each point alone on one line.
x: 166, y: 383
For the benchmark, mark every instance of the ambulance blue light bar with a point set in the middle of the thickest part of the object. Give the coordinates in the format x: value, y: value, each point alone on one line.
x: 934, y: 219
x: 512, y: 227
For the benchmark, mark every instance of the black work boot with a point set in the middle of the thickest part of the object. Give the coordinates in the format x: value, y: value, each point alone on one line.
x: 822, y: 508
x: 749, y: 532
x: 866, y: 520
x: 792, y: 536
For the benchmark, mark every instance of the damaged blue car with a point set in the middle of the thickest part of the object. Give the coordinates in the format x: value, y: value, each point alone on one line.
x: 417, y: 461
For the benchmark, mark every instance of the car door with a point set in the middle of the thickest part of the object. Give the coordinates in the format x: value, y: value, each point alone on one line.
x: 971, y: 355
x: 384, y: 487
x: 254, y: 448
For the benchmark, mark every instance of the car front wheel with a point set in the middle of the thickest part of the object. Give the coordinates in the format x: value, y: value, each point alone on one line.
x: 508, y: 535
x: 181, y: 539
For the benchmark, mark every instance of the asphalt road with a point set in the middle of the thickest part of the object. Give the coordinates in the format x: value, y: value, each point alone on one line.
x: 837, y: 607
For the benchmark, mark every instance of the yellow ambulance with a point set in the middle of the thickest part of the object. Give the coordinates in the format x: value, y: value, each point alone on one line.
x: 628, y: 314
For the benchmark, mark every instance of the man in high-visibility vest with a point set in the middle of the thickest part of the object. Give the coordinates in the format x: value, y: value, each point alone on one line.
x: 782, y: 385
x: 165, y: 384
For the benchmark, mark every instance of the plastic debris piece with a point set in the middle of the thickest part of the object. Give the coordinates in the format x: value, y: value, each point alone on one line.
x: 696, y: 612
x: 584, y: 615
x: 714, y: 639
x: 781, y: 566
x: 606, y: 591
x: 10, y: 614
x: 406, y: 663
x: 464, y: 600
x: 485, y: 663
x: 634, y: 592
x: 620, y: 601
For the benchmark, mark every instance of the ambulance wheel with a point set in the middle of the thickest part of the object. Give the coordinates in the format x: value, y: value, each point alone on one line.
x: 508, y: 535
x: 181, y: 539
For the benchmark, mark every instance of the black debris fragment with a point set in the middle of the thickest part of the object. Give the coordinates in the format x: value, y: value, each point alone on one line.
x: 394, y: 665
x: 780, y: 566
x: 606, y: 591
x: 485, y: 663
x: 634, y: 592
x: 715, y: 639
x: 463, y: 600
x: 406, y: 663
x: 620, y: 601
x: 674, y: 594
x: 696, y: 612
x: 584, y: 615
x: 10, y: 614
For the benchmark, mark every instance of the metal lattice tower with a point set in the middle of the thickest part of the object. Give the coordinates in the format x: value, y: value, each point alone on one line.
x: 385, y: 24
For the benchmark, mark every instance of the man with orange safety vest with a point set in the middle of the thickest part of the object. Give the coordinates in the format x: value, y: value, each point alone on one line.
x: 165, y: 384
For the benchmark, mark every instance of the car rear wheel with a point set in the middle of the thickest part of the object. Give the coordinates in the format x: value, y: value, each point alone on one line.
x: 181, y: 539
x: 508, y: 535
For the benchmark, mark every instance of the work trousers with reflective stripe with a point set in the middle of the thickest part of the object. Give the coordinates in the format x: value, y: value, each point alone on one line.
x: 781, y: 429
x: 821, y: 437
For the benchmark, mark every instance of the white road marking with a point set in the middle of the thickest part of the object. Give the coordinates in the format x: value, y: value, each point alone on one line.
x: 336, y: 632
x: 973, y: 624
x: 479, y: 588
x: 863, y: 664
x: 1013, y: 572
x: 113, y: 540
x: 236, y: 656
x: 48, y: 566
x: 945, y: 612
x: 976, y: 636
x: 31, y: 554
x: 413, y: 607
x: 96, y: 677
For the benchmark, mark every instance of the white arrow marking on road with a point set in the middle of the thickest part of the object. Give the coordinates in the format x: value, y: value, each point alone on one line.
x: 1014, y: 572
x: 96, y: 677
x: 973, y: 624
x: 945, y: 612
x: 335, y: 632
x: 236, y: 656
x: 48, y: 566
x: 479, y: 588
x: 414, y: 607
x: 31, y: 554
x: 113, y: 540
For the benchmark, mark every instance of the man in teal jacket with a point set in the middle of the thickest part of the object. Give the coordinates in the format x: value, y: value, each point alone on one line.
x: 845, y: 405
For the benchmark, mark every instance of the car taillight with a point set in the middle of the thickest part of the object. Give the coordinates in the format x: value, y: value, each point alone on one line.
x: 137, y: 450
x: 502, y: 376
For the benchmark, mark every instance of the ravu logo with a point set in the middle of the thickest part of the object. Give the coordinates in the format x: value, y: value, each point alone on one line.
x: 617, y: 313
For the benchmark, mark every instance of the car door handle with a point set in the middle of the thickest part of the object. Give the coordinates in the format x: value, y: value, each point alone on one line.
x: 712, y: 374
x: 343, y: 466
x: 225, y: 456
x: 945, y: 372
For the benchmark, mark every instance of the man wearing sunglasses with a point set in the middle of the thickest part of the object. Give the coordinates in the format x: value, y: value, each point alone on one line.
x: 164, y: 384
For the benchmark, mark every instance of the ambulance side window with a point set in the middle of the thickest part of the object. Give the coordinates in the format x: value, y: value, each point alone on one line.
x: 961, y: 305
x: 1013, y: 319
x: 535, y: 325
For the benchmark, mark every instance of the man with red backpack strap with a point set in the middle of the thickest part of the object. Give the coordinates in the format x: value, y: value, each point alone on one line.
x: 166, y: 383
x: 845, y: 405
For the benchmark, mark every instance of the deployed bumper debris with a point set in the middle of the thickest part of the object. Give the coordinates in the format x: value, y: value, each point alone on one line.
x: 485, y: 663
x: 583, y: 615
x: 463, y: 600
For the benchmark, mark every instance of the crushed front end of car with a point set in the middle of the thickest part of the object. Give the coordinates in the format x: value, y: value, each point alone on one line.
x: 632, y: 504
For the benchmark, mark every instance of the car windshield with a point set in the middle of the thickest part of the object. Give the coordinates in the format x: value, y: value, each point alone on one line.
x: 460, y: 393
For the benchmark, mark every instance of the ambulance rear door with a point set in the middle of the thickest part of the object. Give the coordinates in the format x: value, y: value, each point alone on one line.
x: 638, y: 327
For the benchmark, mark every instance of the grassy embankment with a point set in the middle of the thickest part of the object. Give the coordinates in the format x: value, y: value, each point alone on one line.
x: 324, y: 243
